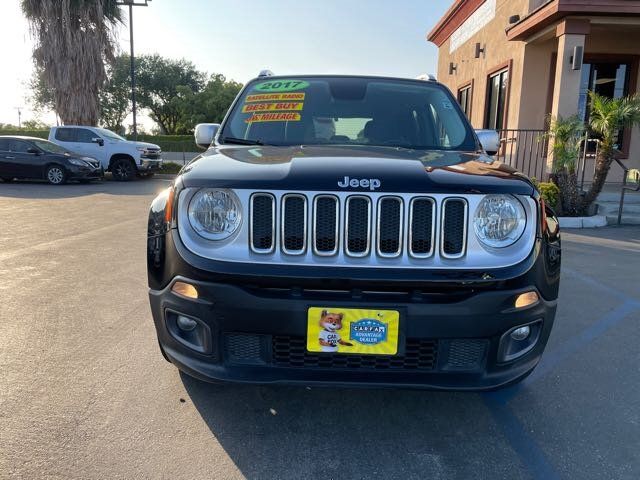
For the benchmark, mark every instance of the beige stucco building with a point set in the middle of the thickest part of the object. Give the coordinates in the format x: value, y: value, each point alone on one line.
x: 511, y: 63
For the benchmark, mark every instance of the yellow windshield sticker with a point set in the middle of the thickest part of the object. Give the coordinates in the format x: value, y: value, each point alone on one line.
x: 272, y: 107
x: 274, y: 97
x: 274, y: 117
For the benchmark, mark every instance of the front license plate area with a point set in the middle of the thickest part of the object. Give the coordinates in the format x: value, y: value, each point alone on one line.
x: 353, y: 331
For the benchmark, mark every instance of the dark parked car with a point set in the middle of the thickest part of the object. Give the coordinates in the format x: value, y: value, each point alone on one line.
x: 352, y: 230
x: 35, y: 158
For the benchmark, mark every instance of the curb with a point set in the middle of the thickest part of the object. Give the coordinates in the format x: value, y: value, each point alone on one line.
x: 165, y: 176
x: 596, y: 221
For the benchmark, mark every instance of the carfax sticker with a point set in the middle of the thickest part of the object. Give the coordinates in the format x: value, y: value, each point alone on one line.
x: 272, y: 107
x: 355, y: 331
x: 275, y: 97
x: 274, y: 117
x: 281, y: 86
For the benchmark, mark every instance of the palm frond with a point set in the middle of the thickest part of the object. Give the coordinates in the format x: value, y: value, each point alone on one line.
x: 73, y: 39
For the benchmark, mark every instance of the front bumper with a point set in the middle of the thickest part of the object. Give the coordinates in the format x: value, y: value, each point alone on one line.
x: 257, y: 335
x: 150, y: 165
x: 85, y: 173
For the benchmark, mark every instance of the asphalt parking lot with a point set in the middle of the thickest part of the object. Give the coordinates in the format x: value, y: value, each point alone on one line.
x: 85, y: 393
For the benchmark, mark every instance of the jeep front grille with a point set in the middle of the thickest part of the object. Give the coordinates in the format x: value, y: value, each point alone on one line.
x: 357, y: 225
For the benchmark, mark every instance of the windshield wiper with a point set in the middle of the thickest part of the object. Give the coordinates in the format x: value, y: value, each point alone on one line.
x: 240, y: 141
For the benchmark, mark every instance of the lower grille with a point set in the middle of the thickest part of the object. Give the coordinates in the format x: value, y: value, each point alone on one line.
x: 243, y: 348
x: 465, y: 354
x: 419, y: 355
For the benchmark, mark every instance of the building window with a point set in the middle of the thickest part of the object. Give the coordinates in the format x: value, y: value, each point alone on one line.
x: 464, y: 99
x: 497, y: 100
x: 609, y: 79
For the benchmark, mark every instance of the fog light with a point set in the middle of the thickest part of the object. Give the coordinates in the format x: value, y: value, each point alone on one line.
x: 185, y: 323
x: 521, y: 333
x: 185, y: 289
x: 526, y: 299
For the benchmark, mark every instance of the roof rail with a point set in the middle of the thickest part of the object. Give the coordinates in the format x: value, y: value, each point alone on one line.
x: 428, y: 77
x: 265, y: 73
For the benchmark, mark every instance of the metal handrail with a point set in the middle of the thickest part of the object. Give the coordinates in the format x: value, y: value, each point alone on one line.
x: 636, y: 188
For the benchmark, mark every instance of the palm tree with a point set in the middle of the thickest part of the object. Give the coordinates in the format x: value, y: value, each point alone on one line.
x: 607, y: 117
x: 73, y: 39
x: 566, y: 134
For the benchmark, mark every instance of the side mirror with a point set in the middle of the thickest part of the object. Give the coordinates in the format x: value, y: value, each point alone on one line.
x: 98, y: 140
x: 205, y: 133
x: 489, y: 140
x: 33, y: 150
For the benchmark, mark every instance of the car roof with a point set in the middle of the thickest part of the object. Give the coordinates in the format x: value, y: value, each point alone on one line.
x: 23, y: 137
x: 368, y: 77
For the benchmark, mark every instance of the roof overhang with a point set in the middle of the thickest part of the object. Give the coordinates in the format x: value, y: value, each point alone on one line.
x: 452, y: 19
x: 555, y: 10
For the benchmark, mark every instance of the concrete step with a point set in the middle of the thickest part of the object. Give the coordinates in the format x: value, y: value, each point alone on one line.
x: 611, y: 208
x: 627, y: 219
x: 614, y: 196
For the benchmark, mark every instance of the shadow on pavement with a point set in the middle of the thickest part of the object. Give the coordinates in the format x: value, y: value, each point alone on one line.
x: 297, y: 432
x: 34, y: 189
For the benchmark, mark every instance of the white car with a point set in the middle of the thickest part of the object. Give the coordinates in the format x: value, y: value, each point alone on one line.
x: 123, y: 158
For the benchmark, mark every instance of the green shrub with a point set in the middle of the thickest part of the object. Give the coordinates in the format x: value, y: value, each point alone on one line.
x: 25, y: 133
x: 171, y: 167
x: 550, y: 193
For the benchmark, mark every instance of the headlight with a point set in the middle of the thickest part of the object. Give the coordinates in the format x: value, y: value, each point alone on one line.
x: 215, y: 214
x: 499, y: 221
x: 77, y: 161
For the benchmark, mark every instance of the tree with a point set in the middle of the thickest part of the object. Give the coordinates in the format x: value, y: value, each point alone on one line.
x: 606, y: 118
x: 41, y: 96
x: 115, y: 95
x: 208, y: 105
x: 73, y: 39
x: 165, y: 87
x: 566, y: 134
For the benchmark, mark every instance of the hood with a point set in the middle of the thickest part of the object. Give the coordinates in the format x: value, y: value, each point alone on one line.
x: 352, y: 169
x: 146, y: 145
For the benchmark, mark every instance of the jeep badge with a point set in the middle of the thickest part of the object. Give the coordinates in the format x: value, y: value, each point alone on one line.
x: 371, y: 183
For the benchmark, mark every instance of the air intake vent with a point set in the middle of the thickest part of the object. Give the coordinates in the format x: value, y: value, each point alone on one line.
x: 358, y: 226
x: 454, y: 227
x: 325, y: 227
x: 422, y: 227
x: 294, y: 224
x: 262, y: 222
x: 390, y: 226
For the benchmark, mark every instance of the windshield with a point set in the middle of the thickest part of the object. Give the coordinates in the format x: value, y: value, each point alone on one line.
x: 348, y: 111
x: 50, y: 147
x: 109, y: 134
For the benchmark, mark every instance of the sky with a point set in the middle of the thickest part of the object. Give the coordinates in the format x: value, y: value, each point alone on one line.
x: 238, y: 38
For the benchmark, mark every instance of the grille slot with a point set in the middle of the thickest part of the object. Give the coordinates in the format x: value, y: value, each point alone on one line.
x: 358, y: 226
x: 325, y: 227
x: 390, y: 220
x: 262, y: 226
x: 419, y: 355
x: 454, y: 227
x: 294, y: 224
x: 421, y: 227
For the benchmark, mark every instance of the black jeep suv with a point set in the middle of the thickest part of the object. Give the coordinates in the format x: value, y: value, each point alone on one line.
x: 351, y: 230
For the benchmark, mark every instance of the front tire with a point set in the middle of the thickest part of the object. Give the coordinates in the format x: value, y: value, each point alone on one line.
x: 123, y: 170
x: 56, y: 175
